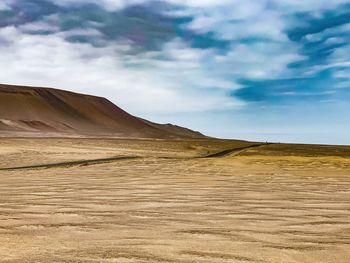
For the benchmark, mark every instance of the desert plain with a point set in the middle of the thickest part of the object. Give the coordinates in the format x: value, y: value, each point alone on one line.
x: 206, y: 200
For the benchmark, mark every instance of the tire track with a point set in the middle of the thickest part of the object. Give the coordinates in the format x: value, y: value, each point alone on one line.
x: 70, y: 164
x: 234, y: 151
x: 223, y: 153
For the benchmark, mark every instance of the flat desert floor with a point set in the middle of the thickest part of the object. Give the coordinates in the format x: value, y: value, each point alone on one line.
x: 75, y: 200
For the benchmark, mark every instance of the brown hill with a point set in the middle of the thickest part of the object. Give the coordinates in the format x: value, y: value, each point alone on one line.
x: 32, y: 111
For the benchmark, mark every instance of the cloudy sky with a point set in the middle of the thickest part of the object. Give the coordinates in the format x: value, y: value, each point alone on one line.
x: 276, y: 70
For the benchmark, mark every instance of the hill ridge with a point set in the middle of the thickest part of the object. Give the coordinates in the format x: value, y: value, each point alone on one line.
x: 40, y: 111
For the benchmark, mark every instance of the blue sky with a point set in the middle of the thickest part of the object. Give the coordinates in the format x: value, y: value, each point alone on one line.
x: 276, y: 70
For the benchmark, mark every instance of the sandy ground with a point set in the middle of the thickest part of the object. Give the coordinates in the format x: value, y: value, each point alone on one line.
x: 270, y: 204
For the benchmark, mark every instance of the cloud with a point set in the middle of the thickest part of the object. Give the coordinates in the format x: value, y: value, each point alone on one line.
x: 310, y: 5
x: 216, y: 44
x: 265, y: 24
x: 5, y: 6
x: 341, y: 55
x: 110, y: 5
x: 153, y: 85
x: 238, y: 19
x: 201, y: 3
x: 182, y: 56
x: 39, y: 26
x: 260, y: 60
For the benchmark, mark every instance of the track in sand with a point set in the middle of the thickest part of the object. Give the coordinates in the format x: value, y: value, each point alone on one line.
x: 120, y: 158
x: 70, y: 164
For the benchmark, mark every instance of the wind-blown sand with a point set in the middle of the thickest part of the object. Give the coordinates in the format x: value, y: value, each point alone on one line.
x: 274, y: 203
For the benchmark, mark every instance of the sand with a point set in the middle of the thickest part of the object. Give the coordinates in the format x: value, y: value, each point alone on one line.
x: 275, y: 203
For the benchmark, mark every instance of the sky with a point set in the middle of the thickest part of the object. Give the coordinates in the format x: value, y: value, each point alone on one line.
x: 266, y: 70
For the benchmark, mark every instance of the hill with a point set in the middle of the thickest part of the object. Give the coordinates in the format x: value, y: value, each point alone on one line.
x: 34, y: 111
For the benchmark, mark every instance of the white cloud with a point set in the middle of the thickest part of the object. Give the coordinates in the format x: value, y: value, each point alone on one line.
x: 341, y: 55
x: 39, y: 26
x: 107, y: 4
x: 242, y: 7
x: 186, y: 78
x: 309, y: 5
x: 235, y: 19
x: 289, y: 5
x: 267, y: 24
x: 339, y: 31
x: 177, y: 80
x: 338, y: 60
x: 200, y: 3
x: 260, y: 60
x: 147, y: 87
x: 6, y: 4
x: 203, y: 24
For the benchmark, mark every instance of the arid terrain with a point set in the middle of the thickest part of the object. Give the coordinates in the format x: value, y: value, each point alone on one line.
x: 47, y: 112
x: 109, y: 200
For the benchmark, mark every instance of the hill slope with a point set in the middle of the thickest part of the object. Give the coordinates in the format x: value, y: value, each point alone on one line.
x: 31, y: 111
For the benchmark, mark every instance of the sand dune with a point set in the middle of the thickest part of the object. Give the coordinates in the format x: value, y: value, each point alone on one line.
x: 31, y: 111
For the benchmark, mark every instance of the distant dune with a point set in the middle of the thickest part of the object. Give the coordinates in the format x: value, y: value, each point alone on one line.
x: 32, y: 111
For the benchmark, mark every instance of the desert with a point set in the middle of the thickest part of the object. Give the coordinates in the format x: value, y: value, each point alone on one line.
x: 174, y: 131
x: 171, y: 203
x: 81, y: 180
